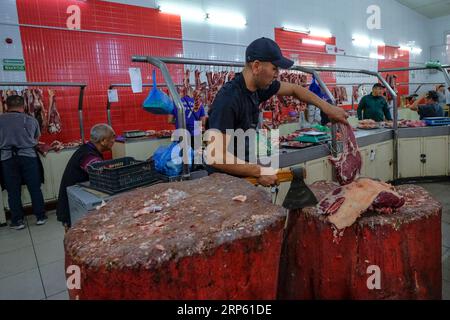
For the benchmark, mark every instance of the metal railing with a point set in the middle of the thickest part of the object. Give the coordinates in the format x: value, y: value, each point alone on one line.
x: 160, y: 63
x: 122, y: 85
x: 317, y: 70
x: 441, y: 69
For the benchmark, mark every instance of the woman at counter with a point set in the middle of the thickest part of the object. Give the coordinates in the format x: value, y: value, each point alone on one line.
x: 101, y: 140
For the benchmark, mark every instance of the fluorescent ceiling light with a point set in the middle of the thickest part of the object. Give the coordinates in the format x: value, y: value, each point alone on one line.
x: 416, y: 50
x: 320, y: 33
x: 411, y: 49
x: 312, y: 31
x: 313, y: 42
x: 361, y: 41
x: 377, y: 56
x: 298, y: 29
x: 377, y: 43
x: 188, y: 13
x: 226, y: 19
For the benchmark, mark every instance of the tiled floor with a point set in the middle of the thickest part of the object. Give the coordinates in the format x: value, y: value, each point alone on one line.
x: 32, y: 260
x: 441, y: 192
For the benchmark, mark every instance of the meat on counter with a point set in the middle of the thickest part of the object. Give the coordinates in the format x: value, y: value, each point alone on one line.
x: 345, y: 204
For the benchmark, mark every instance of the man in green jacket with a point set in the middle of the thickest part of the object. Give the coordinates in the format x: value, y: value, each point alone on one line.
x: 374, y: 105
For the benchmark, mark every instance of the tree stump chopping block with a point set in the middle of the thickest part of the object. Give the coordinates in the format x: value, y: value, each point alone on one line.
x: 180, y: 240
x: 381, y: 256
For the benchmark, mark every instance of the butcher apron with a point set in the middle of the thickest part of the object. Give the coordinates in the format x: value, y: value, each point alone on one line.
x: 15, y: 151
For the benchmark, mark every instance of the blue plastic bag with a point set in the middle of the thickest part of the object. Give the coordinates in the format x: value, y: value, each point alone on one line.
x: 169, y: 159
x: 314, y: 87
x: 157, y: 101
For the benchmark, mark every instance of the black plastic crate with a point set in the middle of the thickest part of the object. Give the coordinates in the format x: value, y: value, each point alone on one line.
x: 117, y: 175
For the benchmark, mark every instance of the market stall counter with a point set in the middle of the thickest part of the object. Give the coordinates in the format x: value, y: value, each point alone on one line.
x: 140, y: 148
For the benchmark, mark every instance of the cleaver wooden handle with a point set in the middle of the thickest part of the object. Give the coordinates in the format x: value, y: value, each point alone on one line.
x: 283, y: 175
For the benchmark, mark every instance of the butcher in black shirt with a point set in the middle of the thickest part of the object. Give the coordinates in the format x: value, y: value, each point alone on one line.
x: 236, y: 106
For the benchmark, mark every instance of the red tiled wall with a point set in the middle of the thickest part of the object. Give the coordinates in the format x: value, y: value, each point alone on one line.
x: 96, y: 59
x: 395, y: 58
x: 291, y: 44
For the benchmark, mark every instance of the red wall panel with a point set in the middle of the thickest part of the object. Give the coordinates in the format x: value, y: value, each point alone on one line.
x: 293, y: 48
x: 312, y: 55
x: 395, y: 58
x: 97, y: 59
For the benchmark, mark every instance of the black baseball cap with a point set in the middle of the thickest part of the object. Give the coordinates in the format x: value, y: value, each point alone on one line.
x: 265, y: 49
x: 378, y: 85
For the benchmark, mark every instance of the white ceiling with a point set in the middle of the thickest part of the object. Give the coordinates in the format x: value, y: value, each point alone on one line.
x: 429, y: 8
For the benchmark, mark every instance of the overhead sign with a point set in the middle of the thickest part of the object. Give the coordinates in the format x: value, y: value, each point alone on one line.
x: 13, y: 68
x: 332, y: 49
x: 13, y: 61
x: 13, y: 65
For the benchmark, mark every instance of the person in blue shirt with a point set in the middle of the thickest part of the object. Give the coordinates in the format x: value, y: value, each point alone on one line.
x: 195, y: 117
x: 431, y: 108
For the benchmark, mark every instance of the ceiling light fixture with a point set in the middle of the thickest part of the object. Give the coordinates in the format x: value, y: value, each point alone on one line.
x: 295, y: 29
x: 314, y: 32
x: 226, y: 19
x: 377, y: 56
x: 320, y: 33
x: 314, y: 42
x: 413, y: 50
x: 361, y: 41
x: 188, y: 13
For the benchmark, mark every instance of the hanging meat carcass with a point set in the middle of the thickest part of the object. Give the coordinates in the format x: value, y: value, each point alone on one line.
x: 39, y: 109
x: 215, y: 82
x: 355, y: 93
x: 231, y: 75
x: 2, y: 103
x: 54, y: 120
x: 26, y: 108
x: 344, y: 96
x: 391, y: 79
x: 276, y: 103
x: 196, y: 94
x: 348, y: 164
x: 187, y: 85
x: 210, y: 94
x: 29, y: 101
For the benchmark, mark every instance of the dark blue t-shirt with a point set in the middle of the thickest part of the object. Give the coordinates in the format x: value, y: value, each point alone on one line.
x: 430, y: 110
x: 190, y: 114
x: 236, y: 107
